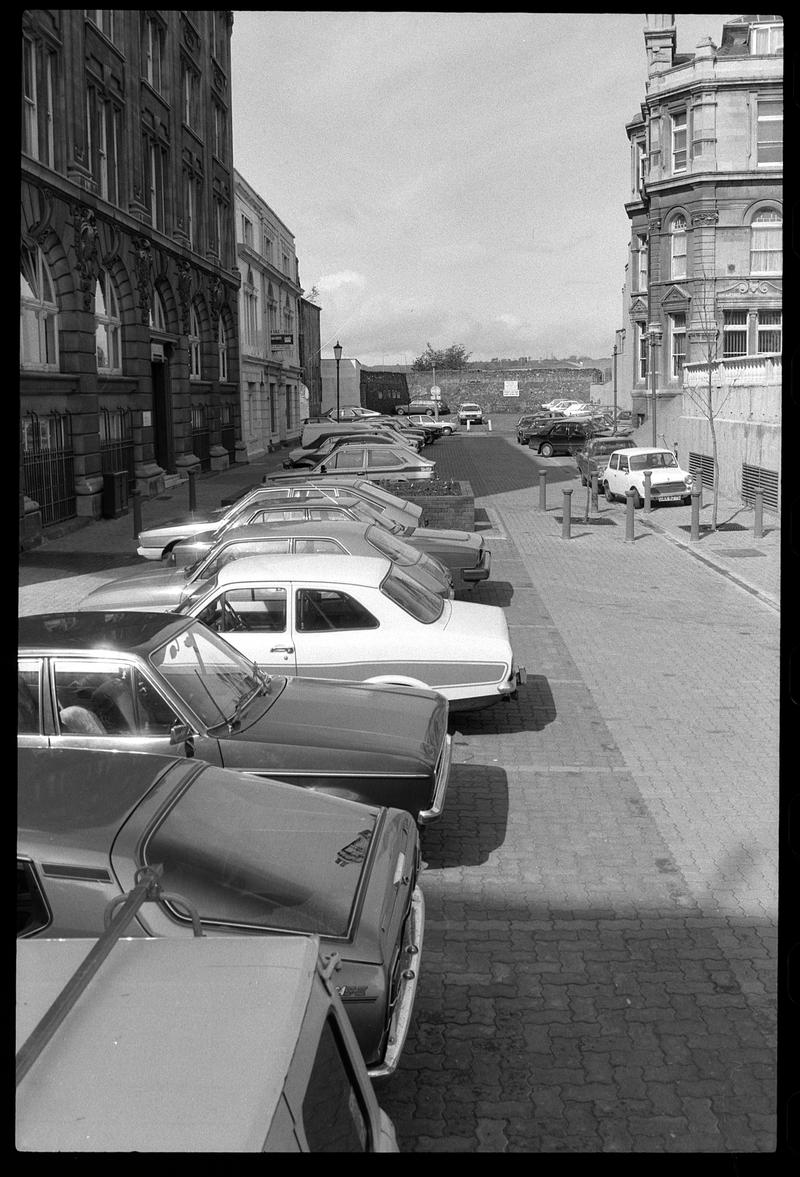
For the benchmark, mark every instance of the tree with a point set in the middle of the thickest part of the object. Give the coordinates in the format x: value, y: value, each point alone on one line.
x: 702, y: 396
x: 453, y: 357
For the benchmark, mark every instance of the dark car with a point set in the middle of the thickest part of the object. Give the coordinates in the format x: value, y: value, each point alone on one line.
x: 428, y: 408
x: 593, y: 458
x: 155, y: 682
x: 558, y: 437
x: 531, y: 421
x: 251, y: 855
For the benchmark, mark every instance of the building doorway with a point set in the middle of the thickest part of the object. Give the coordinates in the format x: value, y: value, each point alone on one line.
x: 162, y: 415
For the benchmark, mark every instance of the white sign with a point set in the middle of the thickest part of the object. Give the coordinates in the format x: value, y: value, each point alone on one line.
x: 510, y: 388
x: 436, y: 392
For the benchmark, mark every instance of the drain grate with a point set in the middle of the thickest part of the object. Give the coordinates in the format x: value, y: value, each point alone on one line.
x: 735, y: 553
x: 732, y: 527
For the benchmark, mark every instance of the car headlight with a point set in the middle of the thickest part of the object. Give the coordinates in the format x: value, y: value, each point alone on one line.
x: 688, y: 480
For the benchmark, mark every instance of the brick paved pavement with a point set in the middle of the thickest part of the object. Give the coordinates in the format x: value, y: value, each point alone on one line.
x: 600, y: 950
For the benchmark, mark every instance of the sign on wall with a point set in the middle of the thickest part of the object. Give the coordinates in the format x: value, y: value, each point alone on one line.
x: 281, y: 340
x: 510, y: 388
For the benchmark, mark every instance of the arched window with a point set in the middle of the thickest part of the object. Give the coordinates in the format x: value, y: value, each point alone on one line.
x: 108, y: 325
x: 222, y: 346
x: 677, y: 238
x: 766, y: 244
x: 195, y: 370
x: 38, y: 311
x: 158, y: 316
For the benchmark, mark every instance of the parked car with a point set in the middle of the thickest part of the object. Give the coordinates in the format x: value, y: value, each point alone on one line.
x: 156, y: 543
x: 559, y: 404
x: 532, y: 421
x: 362, y: 619
x: 368, y: 460
x: 157, y: 588
x: 592, y: 459
x: 579, y: 409
x: 252, y: 856
x: 558, y: 437
x: 425, y: 407
x: 156, y: 682
x: 299, y: 458
x: 203, y: 1007
x: 471, y: 412
x: 350, y: 413
x: 463, y: 553
x: 438, y: 428
x: 626, y: 470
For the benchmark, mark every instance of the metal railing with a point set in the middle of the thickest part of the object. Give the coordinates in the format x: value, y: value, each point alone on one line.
x: 48, y: 465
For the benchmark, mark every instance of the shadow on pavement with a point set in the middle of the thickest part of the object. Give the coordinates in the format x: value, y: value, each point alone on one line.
x: 488, y: 592
x: 474, y: 820
x: 532, y: 710
x: 50, y: 564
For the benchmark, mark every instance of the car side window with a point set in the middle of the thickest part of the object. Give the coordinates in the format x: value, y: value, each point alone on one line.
x: 318, y: 544
x: 279, y: 514
x: 319, y: 610
x: 253, y: 610
x: 376, y: 456
x: 623, y: 464
x: 317, y: 513
x: 94, y: 698
x: 33, y: 914
x: 350, y: 458
x: 28, y: 698
x: 614, y: 462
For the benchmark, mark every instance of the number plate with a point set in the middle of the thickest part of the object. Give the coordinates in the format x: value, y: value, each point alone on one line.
x: 669, y: 498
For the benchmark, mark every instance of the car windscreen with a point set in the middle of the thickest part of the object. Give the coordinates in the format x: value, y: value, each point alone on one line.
x: 411, y: 596
x: 608, y: 447
x: 209, y: 675
x: 658, y: 460
x: 259, y: 854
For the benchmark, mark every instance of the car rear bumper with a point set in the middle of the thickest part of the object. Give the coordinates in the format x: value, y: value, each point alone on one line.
x: 481, y: 572
x: 442, y: 779
x: 404, y: 1006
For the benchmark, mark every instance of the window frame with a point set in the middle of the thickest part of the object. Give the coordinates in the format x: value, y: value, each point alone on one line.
x: 763, y: 120
x: 195, y: 345
x: 768, y: 216
x: 678, y: 128
x: 677, y: 334
x: 110, y: 319
x: 767, y: 328
x: 153, y: 50
x: 678, y: 234
x: 733, y: 328
x: 43, y: 310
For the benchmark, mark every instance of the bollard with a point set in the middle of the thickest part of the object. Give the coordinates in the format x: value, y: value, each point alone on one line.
x: 758, y: 521
x: 490, y: 424
x: 542, y: 490
x: 697, y: 492
x: 566, y: 518
x: 630, y: 499
x: 137, y: 513
x: 192, y: 491
x: 647, y: 503
x: 697, y: 485
x: 595, y: 491
x: 468, y: 424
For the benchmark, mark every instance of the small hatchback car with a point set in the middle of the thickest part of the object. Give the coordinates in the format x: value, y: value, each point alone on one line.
x: 626, y: 470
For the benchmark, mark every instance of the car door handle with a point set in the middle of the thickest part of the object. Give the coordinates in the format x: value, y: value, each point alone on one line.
x: 282, y: 650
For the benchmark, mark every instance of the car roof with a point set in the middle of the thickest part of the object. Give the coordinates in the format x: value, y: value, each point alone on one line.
x: 649, y: 449
x: 97, y: 629
x: 346, y: 528
x: 367, y: 571
x: 78, y: 798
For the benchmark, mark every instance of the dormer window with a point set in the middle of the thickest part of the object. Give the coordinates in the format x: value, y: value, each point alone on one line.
x: 766, y: 39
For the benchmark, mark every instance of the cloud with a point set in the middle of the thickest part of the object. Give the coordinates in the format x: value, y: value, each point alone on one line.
x: 330, y: 282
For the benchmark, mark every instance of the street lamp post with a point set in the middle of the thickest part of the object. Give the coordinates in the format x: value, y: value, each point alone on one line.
x: 615, y: 385
x: 337, y: 351
x: 654, y: 332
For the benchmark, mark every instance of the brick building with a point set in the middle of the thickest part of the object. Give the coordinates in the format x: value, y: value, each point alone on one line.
x: 129, y: 363
x: 702, y: 309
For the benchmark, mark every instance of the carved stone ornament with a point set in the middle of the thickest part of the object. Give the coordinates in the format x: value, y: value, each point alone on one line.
x: 654, y: 225
x: 143, y: 265
x: 184, y: 293
x: 86, y: 251
x: 708, y: 216
x: 39, y: 230
x: 216, y: 298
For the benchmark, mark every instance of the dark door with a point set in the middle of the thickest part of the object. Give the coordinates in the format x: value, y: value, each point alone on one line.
x: 162, y: 416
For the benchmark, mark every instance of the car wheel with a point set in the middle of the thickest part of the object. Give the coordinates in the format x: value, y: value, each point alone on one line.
x: 547, y: 450
x: 400, y: 411
x: 446, y: 431
x: 638, y: 501
x: 607, y: 492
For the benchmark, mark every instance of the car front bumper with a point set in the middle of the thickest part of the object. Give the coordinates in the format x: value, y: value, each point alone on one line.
x: 404, y: 1006
x: 442, y: 780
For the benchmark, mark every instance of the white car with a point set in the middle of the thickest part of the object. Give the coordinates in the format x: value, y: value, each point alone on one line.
x: 626, y: 470
x: 362, y: 618
x: 578, y: 409
x: 469, y: 411
x: 156, y: 543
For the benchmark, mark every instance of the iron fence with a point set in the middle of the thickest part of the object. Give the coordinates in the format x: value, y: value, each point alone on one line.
x: 48, y: 465
x: 116, y: 444
x: 201, y: 436
x: 228, y: 432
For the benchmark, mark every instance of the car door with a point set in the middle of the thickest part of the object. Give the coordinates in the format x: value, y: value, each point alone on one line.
x: 255, y: 619
x: 611, y: 474
x: 337, y: 634
x: 110, y: 703
x: 350, y: 459
x: 30, y: 697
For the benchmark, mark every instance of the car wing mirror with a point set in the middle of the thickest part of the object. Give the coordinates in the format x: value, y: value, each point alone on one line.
x: 182, y: 733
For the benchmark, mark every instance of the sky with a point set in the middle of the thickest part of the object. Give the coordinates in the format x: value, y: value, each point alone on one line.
x: 449, y: 177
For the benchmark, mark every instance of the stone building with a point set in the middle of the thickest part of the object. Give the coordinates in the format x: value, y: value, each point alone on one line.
x: 128, y: 309
x: 512, y: 388
x: 269, y: 316
x: 310, y: 359
x: 702, y: 314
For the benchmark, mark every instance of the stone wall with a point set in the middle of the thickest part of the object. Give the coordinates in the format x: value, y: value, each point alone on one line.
x: 453, y: 510
x: 486, y: 386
